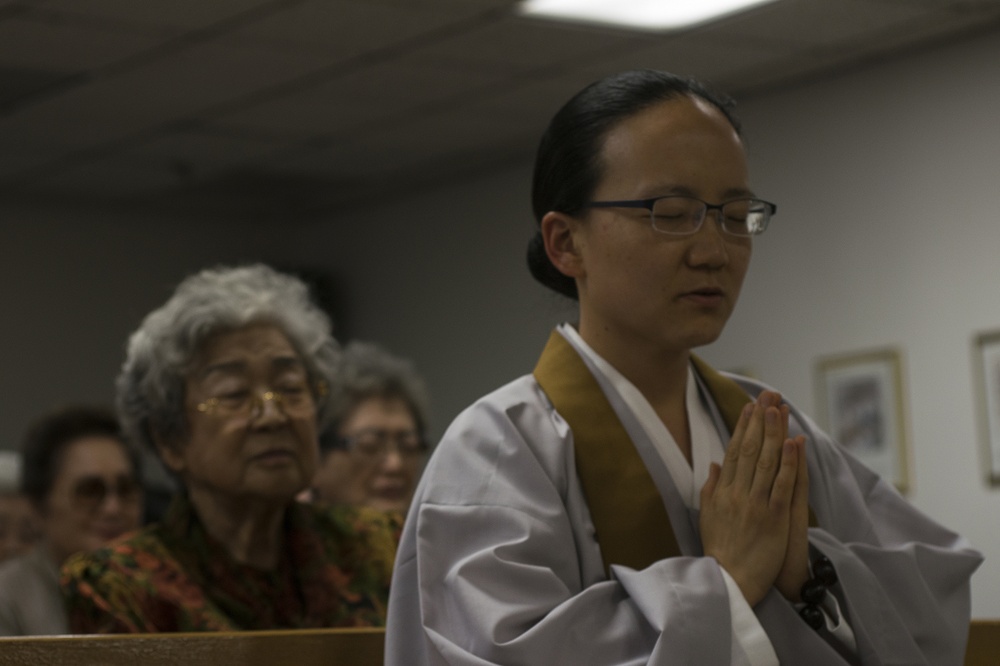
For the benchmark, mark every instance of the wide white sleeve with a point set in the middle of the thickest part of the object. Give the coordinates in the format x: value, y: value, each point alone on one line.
x: 498, y: 565
x: 751, y: 646
x: 904, y: 579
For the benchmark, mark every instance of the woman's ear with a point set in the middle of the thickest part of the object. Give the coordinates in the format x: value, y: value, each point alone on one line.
x: 169, y: 455
x: 560, y: 234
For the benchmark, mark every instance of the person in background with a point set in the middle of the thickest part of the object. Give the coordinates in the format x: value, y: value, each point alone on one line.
x: 228, y: 382
x: 376, y: 444
x: 625, y: 503
x: 19, y: 528
x: 83, y: 481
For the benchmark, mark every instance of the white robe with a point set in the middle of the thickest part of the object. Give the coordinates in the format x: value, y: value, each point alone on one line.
x: 498, y: 562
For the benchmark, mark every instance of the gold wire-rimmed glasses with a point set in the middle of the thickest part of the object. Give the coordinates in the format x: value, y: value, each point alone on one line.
x: 249, y: 405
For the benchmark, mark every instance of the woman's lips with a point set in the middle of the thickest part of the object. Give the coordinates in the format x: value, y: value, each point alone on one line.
x: 391, y: 492
x: 274, y: 457
x: 109, y: 533
x: 705, y: 297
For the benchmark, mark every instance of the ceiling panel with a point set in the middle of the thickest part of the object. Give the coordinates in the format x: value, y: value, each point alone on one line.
x: 410, y: 153
x: 529, y: 102
x: 342, y: 29
x: 820, y: 24
x: 527, y: 44
x: 33, y: 41
x: 370, y: 96
x: 172, y: 88
x: 174, y: 14
x: 332, y: 101
x: 17, y: 83
x: 821, y: 61
x: 694, y: 54
x: 18, y: 154
x: 345, y: 159
x: 454, y: 5
x: 200, y: 150
x: 114, y: 177
x: 459, y: 131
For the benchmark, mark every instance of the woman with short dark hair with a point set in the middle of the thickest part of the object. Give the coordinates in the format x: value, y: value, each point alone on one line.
x: 83, y: 481
x: 229, y: 382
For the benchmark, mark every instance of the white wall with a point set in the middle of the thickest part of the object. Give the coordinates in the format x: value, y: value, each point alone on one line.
x: 888, y: 234
x: 75, y: 281
x: 442, y: 278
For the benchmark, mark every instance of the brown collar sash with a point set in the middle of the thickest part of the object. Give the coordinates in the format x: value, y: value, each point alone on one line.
x: 632, y: 525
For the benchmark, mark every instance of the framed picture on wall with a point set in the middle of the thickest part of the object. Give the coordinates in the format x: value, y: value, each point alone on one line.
x: 861, y: 404
x: 988, y: 365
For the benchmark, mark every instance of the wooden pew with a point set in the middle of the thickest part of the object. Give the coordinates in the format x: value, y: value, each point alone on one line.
x: 984, y: 643
x: 312, y: 647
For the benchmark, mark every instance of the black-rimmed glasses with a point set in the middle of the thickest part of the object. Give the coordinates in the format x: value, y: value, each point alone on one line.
x: 375, y: 443
x: 682, y: 215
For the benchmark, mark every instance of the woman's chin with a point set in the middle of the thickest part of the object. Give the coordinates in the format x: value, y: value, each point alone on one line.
x: 391, y: 502
x: 279, y: 489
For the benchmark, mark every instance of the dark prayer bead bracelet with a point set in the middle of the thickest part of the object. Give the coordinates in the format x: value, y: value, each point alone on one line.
x: 814, y: 589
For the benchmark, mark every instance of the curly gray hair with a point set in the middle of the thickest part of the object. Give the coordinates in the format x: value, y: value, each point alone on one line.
x: 160, y: 352
x: 368, y: 371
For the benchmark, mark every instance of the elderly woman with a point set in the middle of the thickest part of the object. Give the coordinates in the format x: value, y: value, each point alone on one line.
x: 375, y: 447
x: 227, y: 382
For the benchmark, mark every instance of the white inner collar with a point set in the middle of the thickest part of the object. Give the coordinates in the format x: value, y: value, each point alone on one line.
x: 706, y: 444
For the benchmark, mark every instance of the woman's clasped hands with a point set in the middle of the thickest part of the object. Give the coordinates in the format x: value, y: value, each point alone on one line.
x: 755, y: 507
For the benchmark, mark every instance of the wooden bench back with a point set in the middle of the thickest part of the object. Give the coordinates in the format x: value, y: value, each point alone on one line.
x: 319, y: 647
x: 984, y: 643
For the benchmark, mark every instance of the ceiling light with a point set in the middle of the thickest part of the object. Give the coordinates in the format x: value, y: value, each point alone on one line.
x: 638, y: 14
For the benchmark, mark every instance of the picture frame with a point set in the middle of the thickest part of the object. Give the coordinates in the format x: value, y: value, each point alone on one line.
x: 862, y: 405
x: 987, y: 368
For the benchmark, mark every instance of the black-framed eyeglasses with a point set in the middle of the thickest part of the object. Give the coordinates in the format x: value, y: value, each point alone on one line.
x: 682, y: 215
x: 375, y: 443
x: 90, y: 491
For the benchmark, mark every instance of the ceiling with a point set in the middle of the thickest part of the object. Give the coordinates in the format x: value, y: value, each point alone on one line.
x: 228, y: 106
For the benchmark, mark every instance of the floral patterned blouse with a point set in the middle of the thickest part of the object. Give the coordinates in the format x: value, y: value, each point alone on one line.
x: 171, y: 576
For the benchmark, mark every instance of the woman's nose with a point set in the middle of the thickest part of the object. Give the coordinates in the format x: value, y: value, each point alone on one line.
x: 708, y: 244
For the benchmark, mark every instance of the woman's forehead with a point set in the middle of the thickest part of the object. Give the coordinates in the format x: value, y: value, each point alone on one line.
x: 93, y: 454
x: 674, y: 146
x: 237, y: 350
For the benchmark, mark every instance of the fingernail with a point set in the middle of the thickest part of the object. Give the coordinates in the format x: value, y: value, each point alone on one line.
x: 772, y: 417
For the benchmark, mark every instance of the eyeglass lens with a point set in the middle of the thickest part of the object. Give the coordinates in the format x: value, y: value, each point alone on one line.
x: 376, y: 442
x: 91, y: 491
x: 251, y: 404
x: 685, y: 215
